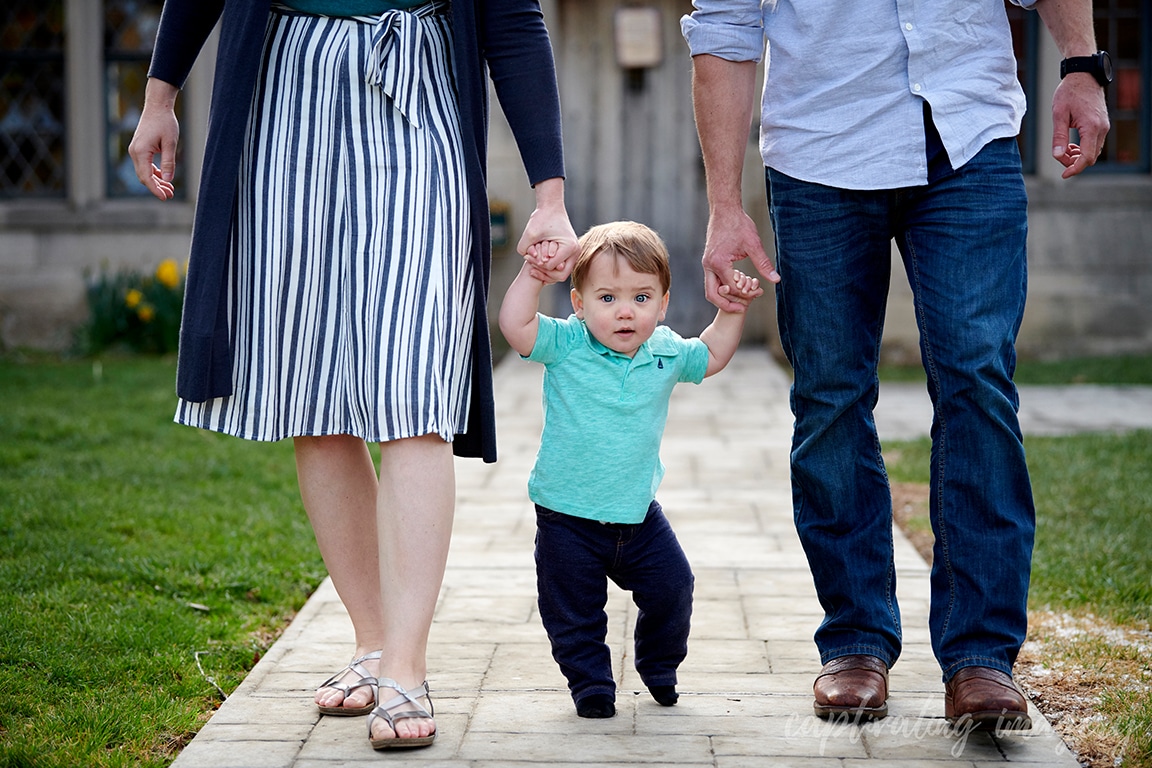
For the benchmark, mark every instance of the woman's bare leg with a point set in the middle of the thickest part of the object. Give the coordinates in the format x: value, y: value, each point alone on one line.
x: 339, y: 488
x: 416, y: 503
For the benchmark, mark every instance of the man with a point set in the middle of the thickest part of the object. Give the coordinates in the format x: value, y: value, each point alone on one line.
x: 881, y: 120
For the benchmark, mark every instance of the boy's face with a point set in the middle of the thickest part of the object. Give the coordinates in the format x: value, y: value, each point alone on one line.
x: 620, y: 306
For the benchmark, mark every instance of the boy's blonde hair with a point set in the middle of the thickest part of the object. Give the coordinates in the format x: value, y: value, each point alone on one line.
x: 637, y: 244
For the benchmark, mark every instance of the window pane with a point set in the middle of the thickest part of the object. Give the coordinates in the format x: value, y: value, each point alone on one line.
x: 129, y: 33
x: 32, y: 146
x: 1122, y: 29
x: 1127, y: 42
x: 1125, y: 138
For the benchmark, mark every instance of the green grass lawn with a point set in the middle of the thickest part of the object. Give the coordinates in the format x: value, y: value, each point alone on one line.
x: 127, y: 545
x: 1093, y: 497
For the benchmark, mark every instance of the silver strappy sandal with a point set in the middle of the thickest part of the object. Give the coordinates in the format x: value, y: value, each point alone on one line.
x: 385, y: 711
x: 366, y: 681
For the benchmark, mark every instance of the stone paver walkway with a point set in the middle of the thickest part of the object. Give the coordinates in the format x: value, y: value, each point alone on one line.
x: 746, y: 684
x: 905, y: 411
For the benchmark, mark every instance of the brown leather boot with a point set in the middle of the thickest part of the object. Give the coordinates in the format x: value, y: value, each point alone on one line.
x: 854, y: 687
x: 985, y: 699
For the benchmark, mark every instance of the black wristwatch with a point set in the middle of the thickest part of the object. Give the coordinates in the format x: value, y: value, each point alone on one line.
x: 1099, y: 65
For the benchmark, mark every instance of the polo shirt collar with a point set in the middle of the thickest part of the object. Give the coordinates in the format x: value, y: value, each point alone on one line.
x: 645, y: 354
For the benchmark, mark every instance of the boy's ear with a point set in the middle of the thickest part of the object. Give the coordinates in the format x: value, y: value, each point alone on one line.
x: 664, y: 305
x: 577, y: 304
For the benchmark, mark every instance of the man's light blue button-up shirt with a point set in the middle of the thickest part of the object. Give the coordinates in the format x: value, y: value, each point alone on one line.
x: 843, y: 95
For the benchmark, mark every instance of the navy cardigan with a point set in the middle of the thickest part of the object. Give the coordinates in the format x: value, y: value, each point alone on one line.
x: 505, y: 39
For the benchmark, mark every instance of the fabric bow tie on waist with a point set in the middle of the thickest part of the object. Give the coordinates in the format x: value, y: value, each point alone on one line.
x: 396, y: 56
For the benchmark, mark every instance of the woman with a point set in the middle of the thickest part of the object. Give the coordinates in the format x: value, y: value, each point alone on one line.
x: 338, y: 275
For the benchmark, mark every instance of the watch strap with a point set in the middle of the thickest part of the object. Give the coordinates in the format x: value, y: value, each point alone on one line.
x: 1093, y: 65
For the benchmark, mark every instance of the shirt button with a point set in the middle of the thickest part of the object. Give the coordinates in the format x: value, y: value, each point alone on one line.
x: 916, y: 87
x: 908, y: 26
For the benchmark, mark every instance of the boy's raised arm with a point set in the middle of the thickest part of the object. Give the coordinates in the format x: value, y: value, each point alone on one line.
x: 518, y: 321
x: 722, y: 337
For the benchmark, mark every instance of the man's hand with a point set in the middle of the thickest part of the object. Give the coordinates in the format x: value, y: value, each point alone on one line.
x: 732, y: 236
x: 1079, y: 100
x: 1078, y: 103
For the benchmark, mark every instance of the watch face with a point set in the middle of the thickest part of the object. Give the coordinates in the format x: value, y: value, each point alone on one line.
x: 1105, y: 64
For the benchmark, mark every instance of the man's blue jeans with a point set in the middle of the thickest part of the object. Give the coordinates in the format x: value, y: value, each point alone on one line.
x: 962, y: 240
x: 575, y: 558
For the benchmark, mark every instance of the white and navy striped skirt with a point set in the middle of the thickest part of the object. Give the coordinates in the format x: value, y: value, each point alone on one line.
x: 351, y: 293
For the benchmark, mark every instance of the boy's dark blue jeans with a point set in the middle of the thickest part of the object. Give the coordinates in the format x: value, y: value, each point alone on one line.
x: 575, y: 557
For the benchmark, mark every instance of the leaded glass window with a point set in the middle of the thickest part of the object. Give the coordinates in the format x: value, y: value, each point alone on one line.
x: 32, y: 118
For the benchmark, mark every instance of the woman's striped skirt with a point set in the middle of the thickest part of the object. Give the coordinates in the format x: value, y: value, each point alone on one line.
x: 351, y: 294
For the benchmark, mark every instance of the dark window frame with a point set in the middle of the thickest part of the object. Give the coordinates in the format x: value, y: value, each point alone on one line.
x: 29, y: 59
x: 1103, y: 15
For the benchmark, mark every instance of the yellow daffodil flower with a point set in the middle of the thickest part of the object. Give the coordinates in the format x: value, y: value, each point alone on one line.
x: 168, y: 274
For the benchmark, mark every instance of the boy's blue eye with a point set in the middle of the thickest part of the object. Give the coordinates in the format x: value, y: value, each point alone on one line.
x: 607, y: 299
x: 642, y: 298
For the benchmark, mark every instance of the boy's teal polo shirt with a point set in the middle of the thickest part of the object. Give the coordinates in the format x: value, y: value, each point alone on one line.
x: 604, y: 416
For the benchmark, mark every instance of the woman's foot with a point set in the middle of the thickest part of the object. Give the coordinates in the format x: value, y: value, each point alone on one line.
x: 352, y: 690
x: 403, y: 717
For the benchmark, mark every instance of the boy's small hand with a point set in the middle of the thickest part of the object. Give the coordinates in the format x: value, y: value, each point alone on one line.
x: 746, y: 288
x: 548, y: 261
x: 540, y: 253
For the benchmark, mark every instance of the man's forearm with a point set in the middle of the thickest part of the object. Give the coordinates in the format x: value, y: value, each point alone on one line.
x: 723, y: 94
x: 1070, y: 24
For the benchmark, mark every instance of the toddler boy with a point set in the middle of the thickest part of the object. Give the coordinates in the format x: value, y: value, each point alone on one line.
x: 609, y: 373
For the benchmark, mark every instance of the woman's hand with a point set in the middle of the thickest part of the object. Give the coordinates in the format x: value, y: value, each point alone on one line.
x: 157, y: 133
x: 549, y: 243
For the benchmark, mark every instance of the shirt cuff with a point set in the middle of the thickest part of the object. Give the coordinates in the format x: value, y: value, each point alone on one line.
x: 732, y: 39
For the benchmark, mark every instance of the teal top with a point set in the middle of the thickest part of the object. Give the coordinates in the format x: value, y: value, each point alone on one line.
x: 351, y: 7
x: 604, y: 416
